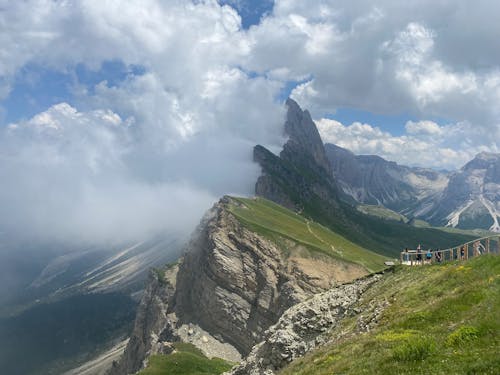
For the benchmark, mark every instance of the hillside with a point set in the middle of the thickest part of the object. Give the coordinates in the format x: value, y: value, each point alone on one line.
x: 436, y: 320
x: 278, y: 223
x: 468, y: 198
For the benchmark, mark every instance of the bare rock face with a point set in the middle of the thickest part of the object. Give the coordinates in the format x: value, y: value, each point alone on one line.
x: 235, y: 283
x: 304, y: 138
x: 302, y: 328
x: 472, y: 197
x: 371, y: 179
x: 231, y: 285
x: 151, y: 319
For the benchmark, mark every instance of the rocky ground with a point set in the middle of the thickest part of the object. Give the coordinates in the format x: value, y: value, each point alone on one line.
x: 305, y: 326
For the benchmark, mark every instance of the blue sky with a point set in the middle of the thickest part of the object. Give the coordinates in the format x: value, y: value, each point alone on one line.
x: 36, y: 87
x: 250, y: 11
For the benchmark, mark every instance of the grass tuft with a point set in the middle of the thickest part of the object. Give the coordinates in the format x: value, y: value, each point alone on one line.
x: 416, y: 348
x: 185, y: 360
x: 462, y: 335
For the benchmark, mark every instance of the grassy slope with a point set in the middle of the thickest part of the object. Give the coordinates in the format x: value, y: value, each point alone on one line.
x: 185, y: 360
x: 442, y: 319
x: 276, y: 222
x: 381, y: 212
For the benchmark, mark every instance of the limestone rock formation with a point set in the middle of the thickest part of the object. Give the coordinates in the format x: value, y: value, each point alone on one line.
x: 303, y: 327
x: 472, y: 197
x: 231, y: 285
x: 373, y: 180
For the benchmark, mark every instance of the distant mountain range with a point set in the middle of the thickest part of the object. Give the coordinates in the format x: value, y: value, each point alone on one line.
x: 468, y: 198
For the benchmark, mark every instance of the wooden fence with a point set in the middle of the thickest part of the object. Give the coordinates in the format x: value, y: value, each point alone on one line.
x: 480, y: 246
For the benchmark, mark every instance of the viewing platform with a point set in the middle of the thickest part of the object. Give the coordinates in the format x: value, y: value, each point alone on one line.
x: 480, y: 246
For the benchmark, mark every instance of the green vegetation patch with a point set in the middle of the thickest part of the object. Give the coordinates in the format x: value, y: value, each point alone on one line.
x: 185, y: 360
x: 381, y: 212
x: 463, y: 335
x: 414, y: 348
x: 440, y: 319
x: 277, y: 223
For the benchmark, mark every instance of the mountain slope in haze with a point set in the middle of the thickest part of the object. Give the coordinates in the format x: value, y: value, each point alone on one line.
x: 472, y: 196
x: 37, y: 313
x: 64, y: 271
x: 297, y: 180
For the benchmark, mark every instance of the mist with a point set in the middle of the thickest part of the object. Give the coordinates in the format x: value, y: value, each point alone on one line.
x: 92, y: 177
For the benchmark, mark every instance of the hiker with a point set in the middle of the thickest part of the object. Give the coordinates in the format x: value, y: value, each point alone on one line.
x: 462, y: 253
x: 437, y: 254
x: 407, y: 256
x: 419, y: 254
x: 428, y: 256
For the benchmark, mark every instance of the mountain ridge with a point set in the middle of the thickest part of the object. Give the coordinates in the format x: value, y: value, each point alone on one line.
x: 468, y: 198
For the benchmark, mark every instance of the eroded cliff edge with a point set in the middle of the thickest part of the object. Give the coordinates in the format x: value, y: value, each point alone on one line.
x: 231, y: 285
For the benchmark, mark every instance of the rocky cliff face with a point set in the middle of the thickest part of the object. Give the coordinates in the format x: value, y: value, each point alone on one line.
x: 302, y: 172
x: 371, y: 179
x: 304, y: 138
x: 304, y: 327
x: 234, y: 282
x: 151, y: 323
x: 472, y: 197
x: 230, y: 286
x: 468, y: 198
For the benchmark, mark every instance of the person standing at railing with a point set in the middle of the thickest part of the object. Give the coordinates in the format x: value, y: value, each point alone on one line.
x: 462, y: 253
x: 419, y: 254
x: 437, y: 255
x: 428, y: 256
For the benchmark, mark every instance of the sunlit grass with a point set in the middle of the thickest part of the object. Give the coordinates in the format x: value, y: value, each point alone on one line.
x: 442, y: 319
x: 275, y: 222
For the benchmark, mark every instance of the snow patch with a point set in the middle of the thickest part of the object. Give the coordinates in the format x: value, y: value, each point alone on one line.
x: 454, y: 217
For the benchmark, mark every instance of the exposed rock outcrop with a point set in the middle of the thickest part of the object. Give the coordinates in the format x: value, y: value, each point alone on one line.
x: 234, y: 282
x: 302, y: 328
x: 371, y: 179
x: 304, y: 138
x: 472, y: 197
x: 151, y: 320
x: 231, y: 285
x: 468, y: 198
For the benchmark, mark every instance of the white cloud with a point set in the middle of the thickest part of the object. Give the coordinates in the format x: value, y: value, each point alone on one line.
x: 429, y: 128
x: 424, y: 144
x: 86, y: 176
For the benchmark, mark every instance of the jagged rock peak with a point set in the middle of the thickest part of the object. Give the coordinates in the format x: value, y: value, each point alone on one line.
x: 482, y: 160
x: 303, y: 134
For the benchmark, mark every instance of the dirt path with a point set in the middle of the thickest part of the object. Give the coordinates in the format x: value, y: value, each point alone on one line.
x: 320, y: 239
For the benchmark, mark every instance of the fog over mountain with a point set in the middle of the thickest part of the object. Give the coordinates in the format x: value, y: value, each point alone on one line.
x: 93, y: 176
